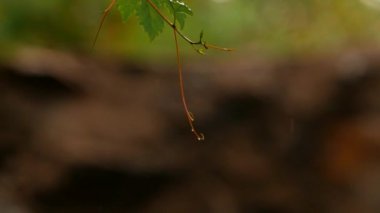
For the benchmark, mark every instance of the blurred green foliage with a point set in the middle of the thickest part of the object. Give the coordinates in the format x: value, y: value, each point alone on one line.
x: 266, y: 26
x: 53, y: 23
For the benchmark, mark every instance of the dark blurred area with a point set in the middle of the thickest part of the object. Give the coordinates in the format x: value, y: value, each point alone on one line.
x: 291, y: 119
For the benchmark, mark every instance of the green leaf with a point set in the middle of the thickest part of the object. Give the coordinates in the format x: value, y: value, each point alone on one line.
x: 151, y: 21
x: 179, y: 10
x: 127, y: 8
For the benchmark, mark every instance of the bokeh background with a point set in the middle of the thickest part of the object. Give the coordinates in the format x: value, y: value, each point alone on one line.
x: 291, y: 117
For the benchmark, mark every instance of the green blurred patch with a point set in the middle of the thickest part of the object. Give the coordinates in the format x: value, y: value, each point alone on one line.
x: 273, y: 27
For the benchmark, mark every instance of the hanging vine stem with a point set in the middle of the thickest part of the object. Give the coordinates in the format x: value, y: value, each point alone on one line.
x: 189, y: 115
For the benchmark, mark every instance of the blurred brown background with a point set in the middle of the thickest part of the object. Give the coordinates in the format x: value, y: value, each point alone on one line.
x: 291, y: 118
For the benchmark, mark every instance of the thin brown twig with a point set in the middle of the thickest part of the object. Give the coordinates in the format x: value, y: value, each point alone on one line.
x: 211, y: 46
x: 105, y: 14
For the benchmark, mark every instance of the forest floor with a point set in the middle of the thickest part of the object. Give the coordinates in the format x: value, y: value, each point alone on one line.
x: 81, y: 134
